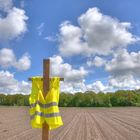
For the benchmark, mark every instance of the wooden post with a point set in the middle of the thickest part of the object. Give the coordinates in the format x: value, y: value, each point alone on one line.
x: 46, y: 84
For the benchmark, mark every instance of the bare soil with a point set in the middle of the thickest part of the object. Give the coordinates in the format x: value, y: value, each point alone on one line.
x: 79, y: 124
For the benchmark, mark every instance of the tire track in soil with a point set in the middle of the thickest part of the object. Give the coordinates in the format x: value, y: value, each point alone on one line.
x: 99, y: 128
x: 79, y: 129
x: 12, y: 132
x: 130, y: 128
x: 66, y: 119
x: 123, y: 131
x: 20, y: 135
x: 66, y: 129
x: 75, y: 129
x: 133, y: 117
x: 108, y: 131
x: 29, y: 136
x: 128, y: 119
x: 68, y: 132
x: 134, y: 123
x: 114, y: 125
x: 93, y: 132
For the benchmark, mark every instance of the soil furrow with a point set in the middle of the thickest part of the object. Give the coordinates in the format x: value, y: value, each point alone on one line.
x: 121, y: 123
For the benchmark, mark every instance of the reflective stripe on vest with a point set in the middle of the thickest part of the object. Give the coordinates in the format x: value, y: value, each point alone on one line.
x: 44, y: 105
x: 45, y: 115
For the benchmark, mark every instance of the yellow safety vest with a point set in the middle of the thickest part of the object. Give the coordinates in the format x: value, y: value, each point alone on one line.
x: 45, y: 109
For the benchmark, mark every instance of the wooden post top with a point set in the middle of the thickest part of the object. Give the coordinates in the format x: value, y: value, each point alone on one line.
x: 46, y: 70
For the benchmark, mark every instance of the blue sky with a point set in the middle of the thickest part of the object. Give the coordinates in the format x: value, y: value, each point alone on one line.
x: 93, y: 44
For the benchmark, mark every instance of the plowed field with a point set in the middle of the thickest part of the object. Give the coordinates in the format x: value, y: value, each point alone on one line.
x: 79, y: 124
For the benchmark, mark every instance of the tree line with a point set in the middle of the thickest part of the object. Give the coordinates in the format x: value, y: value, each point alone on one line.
x: 87, y: 99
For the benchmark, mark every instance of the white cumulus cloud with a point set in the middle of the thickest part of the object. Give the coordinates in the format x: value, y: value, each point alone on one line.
x: 96, y: 34
x: 97, y: 86
x: 124, y: 63
x: 74, y: 78
x: 8, y: 59
x: 9, y: 85
x: 70, y: 40
x: 123, y: 69
x: 59, y: 68
x: 73, y: 87
x: 23, y: 63
x: 13, y: 25
x: 97, y: 61
x: 125, y: 82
